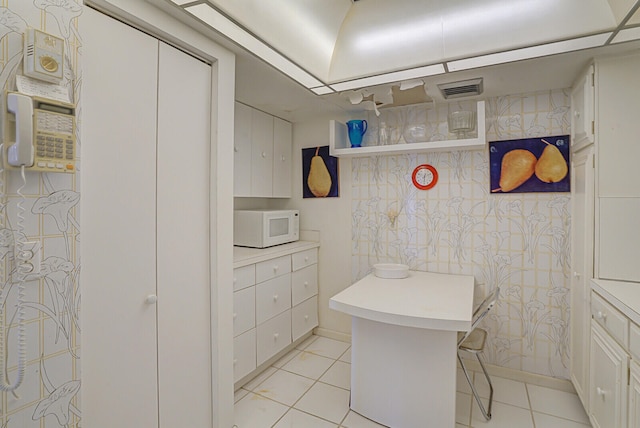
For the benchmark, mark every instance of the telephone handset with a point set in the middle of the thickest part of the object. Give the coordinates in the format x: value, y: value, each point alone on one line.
x: 43, y: 138
x: 21, y: 152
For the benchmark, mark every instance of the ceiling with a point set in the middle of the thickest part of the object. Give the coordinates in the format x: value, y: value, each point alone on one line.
x: 291, y: 50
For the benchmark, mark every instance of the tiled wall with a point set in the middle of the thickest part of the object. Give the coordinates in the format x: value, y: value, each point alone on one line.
x: 49, y: 395
x: 517, y: 241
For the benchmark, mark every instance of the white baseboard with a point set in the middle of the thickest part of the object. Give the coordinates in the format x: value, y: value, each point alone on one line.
x: 342, y: 337
x: 472, y: 364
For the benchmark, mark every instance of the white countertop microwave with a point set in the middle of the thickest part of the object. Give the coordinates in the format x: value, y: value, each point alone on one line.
x: 265, y: 228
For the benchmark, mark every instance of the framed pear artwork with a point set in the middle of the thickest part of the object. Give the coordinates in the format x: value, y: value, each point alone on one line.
x: 530, y: 165
x: 320, y: 177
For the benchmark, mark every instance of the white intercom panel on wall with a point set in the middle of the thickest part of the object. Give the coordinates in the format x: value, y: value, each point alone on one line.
x: 43, y: 56
x: 39, y: 134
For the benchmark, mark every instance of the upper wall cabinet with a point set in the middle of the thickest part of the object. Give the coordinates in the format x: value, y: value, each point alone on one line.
x: 582, y: 115
x: 339, y: 144
x: 618, y: 175
x: 618, y: 148
x: 262, y: 158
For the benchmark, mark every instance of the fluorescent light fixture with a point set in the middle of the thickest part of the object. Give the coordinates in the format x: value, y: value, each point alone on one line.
x: 414, y: 73
x: 380, y: 37
x: 181, y: 2
x: 531, y: 52
x: 627, y: 35
x: 223, y: 25
x: 322, y: 90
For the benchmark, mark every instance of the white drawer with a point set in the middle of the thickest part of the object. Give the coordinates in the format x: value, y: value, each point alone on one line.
x: 273, y: 268
x: 244, y: 354
x: 244, y: 310
x: 304, y: 284
x: 304, y: 258
x: 244, y: 277
x: 613, y: 321
x: 273, y: 336
x: 304, y: 317
x: 273, y: 297
x: 634, y: 341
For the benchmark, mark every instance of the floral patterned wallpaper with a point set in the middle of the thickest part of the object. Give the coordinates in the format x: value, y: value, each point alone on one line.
x: 49, y: 395
x: 519, y: 242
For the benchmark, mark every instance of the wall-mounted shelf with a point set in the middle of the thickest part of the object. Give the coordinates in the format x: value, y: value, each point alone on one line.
x: 339, y: 145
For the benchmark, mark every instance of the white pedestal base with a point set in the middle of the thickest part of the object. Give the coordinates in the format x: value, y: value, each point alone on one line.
x: 403, y: 377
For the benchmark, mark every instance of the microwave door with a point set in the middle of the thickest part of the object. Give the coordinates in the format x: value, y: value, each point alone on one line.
x: 279, y: 227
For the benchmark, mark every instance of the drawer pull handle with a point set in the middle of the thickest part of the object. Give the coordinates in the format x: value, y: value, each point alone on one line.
x: 601, y: 392
x: 151, y: 299
x: 306, y: 283
x: 235, y: 361
x: 275, y: 336
x: 235, y: 315
x: 601, y: 316
x: 275, y: 267
x: 576, y: 275
x: 235, y: 279
x: 306, y: 317
x: 306, y: 259
x: 275, y: 297
x: 264, y: 155
x: 576, y: 113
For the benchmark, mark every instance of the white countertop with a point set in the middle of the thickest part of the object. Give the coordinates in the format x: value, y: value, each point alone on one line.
x: 243, y: 256
x: 625, y: 296
x: 424, y: 300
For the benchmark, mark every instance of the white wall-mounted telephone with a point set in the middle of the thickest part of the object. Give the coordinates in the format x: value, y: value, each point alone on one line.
x: 43, y: 138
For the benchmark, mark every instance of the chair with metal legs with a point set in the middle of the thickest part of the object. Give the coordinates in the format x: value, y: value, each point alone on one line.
x: 473, y: 341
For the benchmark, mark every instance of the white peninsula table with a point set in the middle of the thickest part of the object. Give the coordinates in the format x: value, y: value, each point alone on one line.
x: 403, y: 346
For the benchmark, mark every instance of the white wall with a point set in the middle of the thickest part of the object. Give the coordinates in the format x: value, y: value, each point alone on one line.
x: 330, y: 216
x: 517, y: 240
x: 49, y: 394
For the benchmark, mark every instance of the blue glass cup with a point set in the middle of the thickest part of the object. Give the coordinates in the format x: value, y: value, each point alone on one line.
x: 356, y: 129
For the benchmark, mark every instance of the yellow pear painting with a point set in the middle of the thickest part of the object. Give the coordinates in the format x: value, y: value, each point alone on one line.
x: 320, y: 173
x: 530, y: 165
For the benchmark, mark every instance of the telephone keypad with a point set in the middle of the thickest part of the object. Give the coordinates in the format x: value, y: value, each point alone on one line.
x: 55, y: 141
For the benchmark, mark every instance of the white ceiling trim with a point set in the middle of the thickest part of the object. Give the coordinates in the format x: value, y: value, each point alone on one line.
x: 430, y: 70
x: 235, y: 33
x: 232, y: 29
x: 530, y: 52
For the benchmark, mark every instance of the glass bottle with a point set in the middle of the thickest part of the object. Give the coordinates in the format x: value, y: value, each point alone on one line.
x: 383, y: 136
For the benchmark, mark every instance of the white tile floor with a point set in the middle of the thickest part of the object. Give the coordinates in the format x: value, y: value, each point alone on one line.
x: 309, y: 388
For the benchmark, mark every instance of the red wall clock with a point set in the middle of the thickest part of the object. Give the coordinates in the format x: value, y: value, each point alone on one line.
x: 424, y: 177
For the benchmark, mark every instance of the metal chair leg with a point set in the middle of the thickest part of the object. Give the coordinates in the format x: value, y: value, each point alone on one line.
x: 485, y: 413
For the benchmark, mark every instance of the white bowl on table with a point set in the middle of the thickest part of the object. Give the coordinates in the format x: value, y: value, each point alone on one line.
x: 391, y: 270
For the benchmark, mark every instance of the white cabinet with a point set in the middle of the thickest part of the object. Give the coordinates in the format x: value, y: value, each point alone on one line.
x: 617, y: 172
x: 304, y: 317
x: 262, y: 154
x: 608, y: 392
x: 141, y: 150
x: 614, y: 386
x: 282, y: 146
x: 582, y: 110
x: 634, y: 395
x: 275, y: 304
x: 261, y: 167
x: 582, y: 230
x: 619, y: 242
x: 618, y: 101
x: 242, y: 151
x: 273, y: 336
x: 605, y: 199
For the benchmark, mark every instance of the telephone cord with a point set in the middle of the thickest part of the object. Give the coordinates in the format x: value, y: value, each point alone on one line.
x: 22, y: 269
